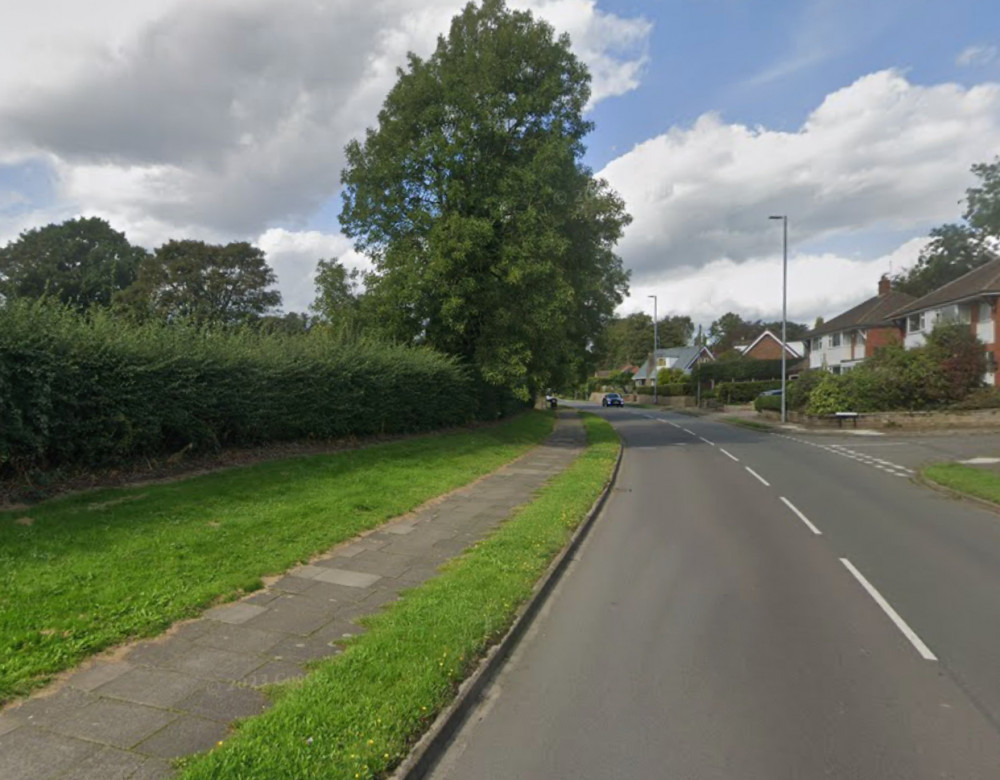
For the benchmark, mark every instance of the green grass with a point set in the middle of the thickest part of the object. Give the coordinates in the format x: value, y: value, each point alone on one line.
x: 965, y: 479
x: 357, y: 715
x: 82, y: 573
x: 754, y: 424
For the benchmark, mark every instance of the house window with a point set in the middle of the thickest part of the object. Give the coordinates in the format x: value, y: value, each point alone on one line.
x: 835, y: 340
x: 915, y: 323
x: 661, y: 362
x: 817, y: 344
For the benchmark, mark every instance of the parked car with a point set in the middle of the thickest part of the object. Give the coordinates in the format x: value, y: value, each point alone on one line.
x: 769, y: 392
x: 612, y: 399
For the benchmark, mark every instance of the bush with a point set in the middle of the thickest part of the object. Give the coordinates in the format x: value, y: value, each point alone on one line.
x: 737, y: 369
x: 799, y: 390
x: 666, y: 390
x: 770, y: 402
x: 980, y: 398
x: 95, y: 391
x: 743, y: 392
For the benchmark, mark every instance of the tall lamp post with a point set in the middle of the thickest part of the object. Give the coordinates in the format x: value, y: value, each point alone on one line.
x: 656, y: 346
x: 784, y: 314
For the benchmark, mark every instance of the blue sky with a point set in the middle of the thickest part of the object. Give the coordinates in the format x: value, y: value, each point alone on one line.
x: 859, y: 120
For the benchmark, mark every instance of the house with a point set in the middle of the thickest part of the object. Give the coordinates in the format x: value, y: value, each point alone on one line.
x: 971, y: 299
x: 767, y: 346
x: 849, y: 338
x: 684, y: 358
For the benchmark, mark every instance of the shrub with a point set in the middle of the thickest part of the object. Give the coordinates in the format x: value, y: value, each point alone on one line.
x: 743, y: 392
x: 771, y: 402
x: 799, y: 390
x: 737, y: 369
x: 94, y: 391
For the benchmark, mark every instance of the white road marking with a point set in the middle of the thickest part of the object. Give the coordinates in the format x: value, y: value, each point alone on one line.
x: 908, y: 632
x: 687, y: 431
x: 801, y: 516
x: 707, y: 441
x: 758, y: 476
x: 729, y: 454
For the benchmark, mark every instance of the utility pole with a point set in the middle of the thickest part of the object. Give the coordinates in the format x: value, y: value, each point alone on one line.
x: 784, y: 315
x: 656, y: 346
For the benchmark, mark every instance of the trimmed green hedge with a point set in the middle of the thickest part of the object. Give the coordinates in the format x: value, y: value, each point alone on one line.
x: 772, y: 402
x: 671, y: 389
x: 97, y: 391
x: 738, y: 369
x: 743, y: 392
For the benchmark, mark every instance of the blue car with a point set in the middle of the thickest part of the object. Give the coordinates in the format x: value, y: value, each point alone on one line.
x: 612, y: 399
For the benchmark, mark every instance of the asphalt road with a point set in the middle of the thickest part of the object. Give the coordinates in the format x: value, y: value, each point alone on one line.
x: 758, y: 607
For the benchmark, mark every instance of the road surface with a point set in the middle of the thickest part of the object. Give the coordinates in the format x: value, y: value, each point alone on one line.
x: 758, y: 607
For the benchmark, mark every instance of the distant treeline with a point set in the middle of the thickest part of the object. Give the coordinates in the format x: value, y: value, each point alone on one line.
x: 93, y: 390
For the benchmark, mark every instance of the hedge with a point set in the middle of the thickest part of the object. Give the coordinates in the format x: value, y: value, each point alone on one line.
x: 96, y: 391
x: 671, y: 389
x: 739, y: 369
x: 743, y: 392
x: 772, y: 402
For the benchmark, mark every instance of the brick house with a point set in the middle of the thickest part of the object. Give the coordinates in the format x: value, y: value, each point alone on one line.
x: 971, y: 299
x: 849, y: 338
x: 767, y: 346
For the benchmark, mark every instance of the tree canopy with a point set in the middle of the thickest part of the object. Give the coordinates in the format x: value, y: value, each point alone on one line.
x: 731, y: 329
x: 490, y: 239
x: 956, y: 249
x: 338, y: 295
x: 81, y: 262
x: 629, y: 340
x: 205, y: 283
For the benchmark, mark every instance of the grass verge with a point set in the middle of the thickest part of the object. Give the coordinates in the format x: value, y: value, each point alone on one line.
x: 82, y: 573
x: 357, y: 715
x: 744, y: 423
x: 965, y: 479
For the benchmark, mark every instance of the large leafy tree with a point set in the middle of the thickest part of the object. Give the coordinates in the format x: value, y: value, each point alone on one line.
x: 490, y: 239
x: 629, y: 339
x: 731, y: 330
x: 338, y: 296
x: 81, y: 262
x: 204, y: 283
x: 956, y: 249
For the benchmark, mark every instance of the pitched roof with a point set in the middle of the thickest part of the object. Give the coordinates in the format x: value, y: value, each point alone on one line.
x: 796, y: 348
x: 876, y: 311
x: 984, y: 280
x: 686, y: 356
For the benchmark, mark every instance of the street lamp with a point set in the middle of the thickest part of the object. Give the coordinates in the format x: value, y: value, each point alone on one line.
x: 656, y: 346
x: 784, y: 314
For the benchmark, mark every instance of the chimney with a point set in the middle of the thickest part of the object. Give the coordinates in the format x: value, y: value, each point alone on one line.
x: 884, y: 285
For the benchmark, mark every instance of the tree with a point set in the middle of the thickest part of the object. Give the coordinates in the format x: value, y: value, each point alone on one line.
x: 338, y: 299
x: 204, y: 283
x: 731, y: 329
x: 81, y: 262
x: 291, y: 323
x: 956, y: 249
x: 960, y: 354
x: 629, y: 340
x: 490, y: 239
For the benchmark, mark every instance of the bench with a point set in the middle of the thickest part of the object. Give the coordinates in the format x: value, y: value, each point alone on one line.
x: 841, y: 416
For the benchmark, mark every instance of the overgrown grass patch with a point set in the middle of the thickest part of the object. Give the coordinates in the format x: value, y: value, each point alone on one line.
x: 745, y: 423
x: 965, y: 479
x: 82, y: 573
x: 357, y: 715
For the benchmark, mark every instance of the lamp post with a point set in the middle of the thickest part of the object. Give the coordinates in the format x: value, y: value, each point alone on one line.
x: 784, y: 314
x: 656, y: 346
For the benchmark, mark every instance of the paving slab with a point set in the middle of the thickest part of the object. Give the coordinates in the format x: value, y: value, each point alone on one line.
x: 127, y: 716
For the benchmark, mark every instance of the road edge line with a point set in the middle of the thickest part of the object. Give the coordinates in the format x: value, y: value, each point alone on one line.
x: 425, y: 754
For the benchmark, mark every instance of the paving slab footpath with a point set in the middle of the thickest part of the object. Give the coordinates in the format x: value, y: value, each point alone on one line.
x: 129, y: 713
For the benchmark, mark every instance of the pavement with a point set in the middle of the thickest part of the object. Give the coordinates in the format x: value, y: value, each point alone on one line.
x: 755, y: 606
x: 129, y: 713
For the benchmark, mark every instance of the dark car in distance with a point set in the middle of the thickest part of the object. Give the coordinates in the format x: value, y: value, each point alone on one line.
x: 612, y: 399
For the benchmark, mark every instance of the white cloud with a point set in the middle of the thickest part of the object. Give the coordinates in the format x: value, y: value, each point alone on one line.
x: 228, y: 117
x: 818, y: 285
x: 294, y: 254
x: 881, y: 154
x: 976, y: 55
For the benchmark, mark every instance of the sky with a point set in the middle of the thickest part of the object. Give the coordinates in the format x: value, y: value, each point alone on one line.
x: 226, y: 120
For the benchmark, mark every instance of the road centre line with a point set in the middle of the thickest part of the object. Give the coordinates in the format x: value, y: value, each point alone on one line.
x: 801, y: 516
x: 758, y: 476
x: 908, y: 632
x: 729, y: 454
x: 712, y: 443
x: 687, y: 431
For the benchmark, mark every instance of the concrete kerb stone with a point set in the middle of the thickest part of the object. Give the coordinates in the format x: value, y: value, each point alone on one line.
x: 428, y: 750
x: 956, y: 494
